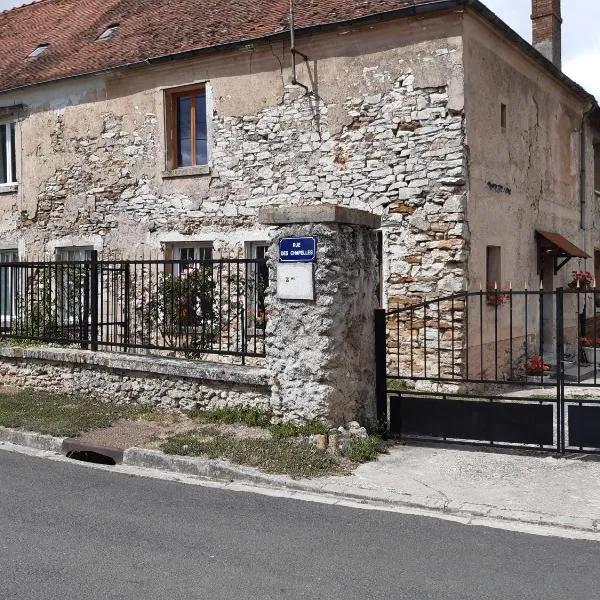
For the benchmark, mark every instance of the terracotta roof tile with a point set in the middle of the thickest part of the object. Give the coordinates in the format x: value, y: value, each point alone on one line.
x: 148, y: 29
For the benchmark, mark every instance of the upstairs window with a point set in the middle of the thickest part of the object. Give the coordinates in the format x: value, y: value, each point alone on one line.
x: 8, y: 161
x: 597, y: 169
x: 187, y: 128
x: 493, y: 267
x: 503, y: 117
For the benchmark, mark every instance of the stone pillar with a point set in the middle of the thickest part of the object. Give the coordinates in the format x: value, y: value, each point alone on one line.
x: 320, y: 352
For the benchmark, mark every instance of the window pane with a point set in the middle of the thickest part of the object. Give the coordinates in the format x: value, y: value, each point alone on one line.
x: 186, y: 253
x: 184, y: 131
x: 7, y: 299
x: 205, y: 252
x: 13, y: 156
x: 3, y: 157
x: 5, y: 291
x: 201, y: 131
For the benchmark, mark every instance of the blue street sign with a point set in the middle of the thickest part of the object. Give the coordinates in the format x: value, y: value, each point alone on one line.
x: 298, y: 249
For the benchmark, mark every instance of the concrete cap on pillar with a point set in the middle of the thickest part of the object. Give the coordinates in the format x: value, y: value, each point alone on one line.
x: 317, y: 213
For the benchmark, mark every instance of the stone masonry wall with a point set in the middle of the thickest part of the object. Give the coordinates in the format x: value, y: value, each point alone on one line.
x: 400, y: 154
x: 46, y: 370
x: 394, y: 147
x: 320, y: 354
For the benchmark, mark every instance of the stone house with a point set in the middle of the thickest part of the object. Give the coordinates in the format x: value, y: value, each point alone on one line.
x: 161, y: 127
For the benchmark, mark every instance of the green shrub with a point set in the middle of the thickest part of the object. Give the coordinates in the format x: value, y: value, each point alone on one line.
x: 365, y: 449
x: 285, y: 430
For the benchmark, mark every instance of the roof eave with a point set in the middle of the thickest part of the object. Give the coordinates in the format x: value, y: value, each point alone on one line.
x: 430, y: 7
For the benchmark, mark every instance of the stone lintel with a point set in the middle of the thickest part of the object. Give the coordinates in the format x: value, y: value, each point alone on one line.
x: 148, y: 365
x: 318, y: 213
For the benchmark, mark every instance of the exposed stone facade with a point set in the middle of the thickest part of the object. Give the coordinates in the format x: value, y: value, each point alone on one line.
x: 401, y: 154
x: 157, y: 382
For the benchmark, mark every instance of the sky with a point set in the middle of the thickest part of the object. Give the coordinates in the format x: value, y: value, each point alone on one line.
x: 581, y: 34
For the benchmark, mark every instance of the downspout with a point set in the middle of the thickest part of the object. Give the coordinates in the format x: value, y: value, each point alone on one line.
x: 293, y: 48
x: 583, y: 169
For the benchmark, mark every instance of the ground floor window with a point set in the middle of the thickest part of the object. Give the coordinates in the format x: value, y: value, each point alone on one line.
x: 186, y: 254
x: 257, y: 285
x: 72, y: 283
x: 8, y: 296
x: 74, y: 253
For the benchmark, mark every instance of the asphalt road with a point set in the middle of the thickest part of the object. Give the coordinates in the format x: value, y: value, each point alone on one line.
x: 67, y: 531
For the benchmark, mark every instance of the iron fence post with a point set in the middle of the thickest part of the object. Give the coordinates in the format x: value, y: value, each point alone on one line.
x: 381, y: 367
x: 94, y: 291
x: 84, y: 319
x: 244, y: 333
x: 560, y: 373
x: 127, y: 300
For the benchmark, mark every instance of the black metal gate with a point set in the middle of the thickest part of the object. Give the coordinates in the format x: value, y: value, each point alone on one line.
x: 518, y: 369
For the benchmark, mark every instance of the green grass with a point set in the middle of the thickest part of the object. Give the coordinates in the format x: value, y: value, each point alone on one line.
x: 283, y: 456
x: 286, y: 430
x: 367, y: 449
x: 396, y: 385
x: 248, y: 415
x: 58, y: 415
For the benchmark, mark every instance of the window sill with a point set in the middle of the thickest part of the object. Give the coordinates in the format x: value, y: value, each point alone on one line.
x: 8, y: 188
x: 187, y: 172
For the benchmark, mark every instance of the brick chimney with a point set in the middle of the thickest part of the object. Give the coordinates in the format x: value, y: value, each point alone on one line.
x: 547, y: 35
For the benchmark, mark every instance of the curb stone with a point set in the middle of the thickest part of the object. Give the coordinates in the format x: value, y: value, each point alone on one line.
x: 30, y: 439
x: 218, y: 470
x: 223, y: 471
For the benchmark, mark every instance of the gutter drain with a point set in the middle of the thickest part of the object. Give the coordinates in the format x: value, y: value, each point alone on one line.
x: 91, y: 457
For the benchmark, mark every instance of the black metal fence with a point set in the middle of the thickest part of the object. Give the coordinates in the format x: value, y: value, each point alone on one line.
x: 451, y: 368
x: 188, y: 308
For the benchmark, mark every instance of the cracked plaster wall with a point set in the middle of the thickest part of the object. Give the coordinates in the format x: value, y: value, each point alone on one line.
x: 521, y: 179
x: 383, y: 131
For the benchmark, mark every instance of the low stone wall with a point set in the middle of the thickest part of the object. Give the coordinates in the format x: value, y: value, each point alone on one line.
x: 122, y: 378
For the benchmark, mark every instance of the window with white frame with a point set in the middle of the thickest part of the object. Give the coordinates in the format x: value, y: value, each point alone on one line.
x: 187, y: 253
x: 259, y: 280
x: 74, y: 253
x: 8, y: 296
x: 8, y: 158
x: 71, y: 282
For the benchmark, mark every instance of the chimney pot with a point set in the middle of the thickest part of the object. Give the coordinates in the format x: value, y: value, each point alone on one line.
x: 547, y: 29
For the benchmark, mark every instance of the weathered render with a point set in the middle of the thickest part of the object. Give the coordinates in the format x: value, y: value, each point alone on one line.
x: 382, y: 130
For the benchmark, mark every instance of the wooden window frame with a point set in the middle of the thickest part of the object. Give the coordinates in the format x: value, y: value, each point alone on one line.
x: 172, y: 124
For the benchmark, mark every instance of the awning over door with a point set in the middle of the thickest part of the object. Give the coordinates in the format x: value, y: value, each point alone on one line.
x: 557, y: 246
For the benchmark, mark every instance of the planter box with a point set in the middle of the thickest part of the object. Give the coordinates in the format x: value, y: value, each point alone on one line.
x: 589, y: 354
x: 541, y: 379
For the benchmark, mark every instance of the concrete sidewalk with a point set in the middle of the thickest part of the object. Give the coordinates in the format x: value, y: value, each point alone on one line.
x: 468, y: 483
x: 515, y: 486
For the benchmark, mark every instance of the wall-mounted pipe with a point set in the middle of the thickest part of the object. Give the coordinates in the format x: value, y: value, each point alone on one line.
x: 293, y: 50
x: 583, y: 169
